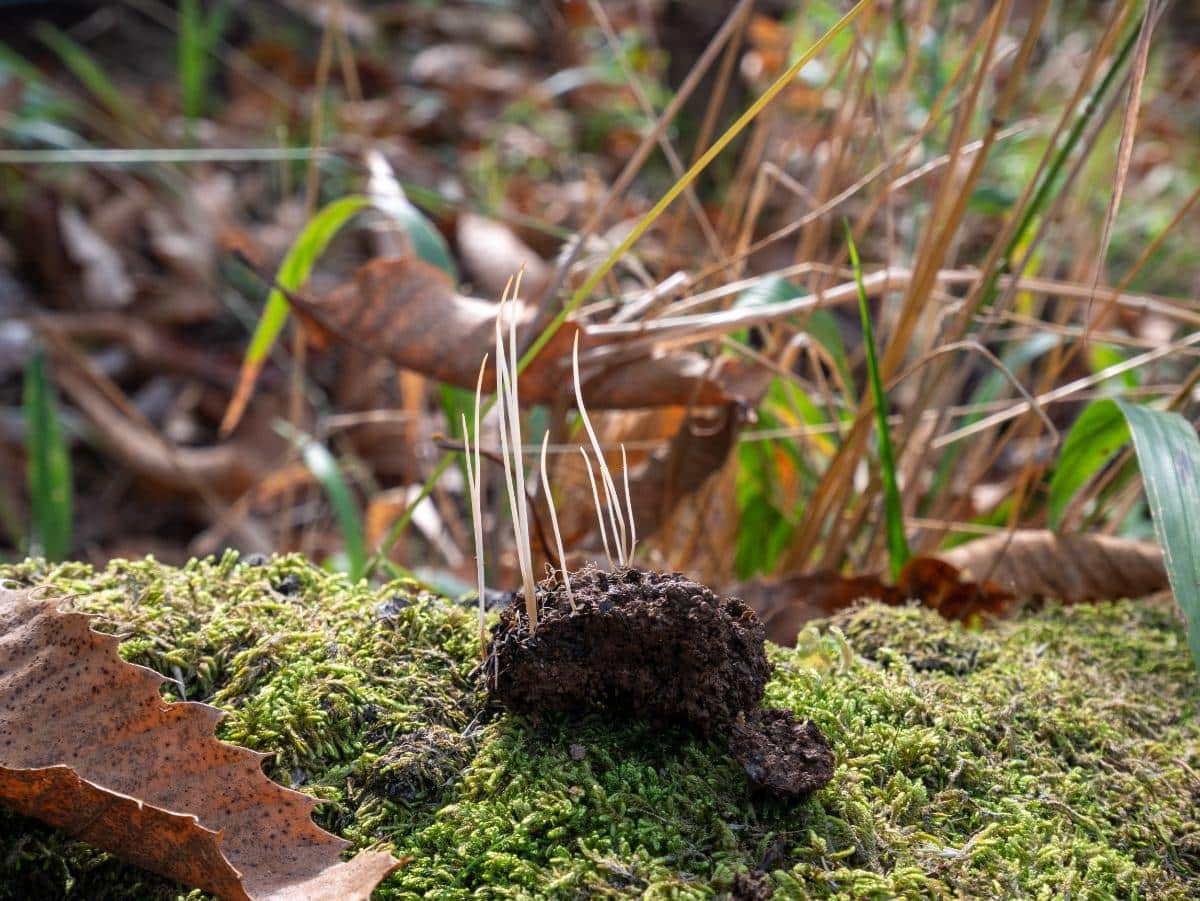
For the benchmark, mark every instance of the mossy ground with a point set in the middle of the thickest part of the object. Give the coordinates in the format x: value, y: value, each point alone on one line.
x: 1057, y: 755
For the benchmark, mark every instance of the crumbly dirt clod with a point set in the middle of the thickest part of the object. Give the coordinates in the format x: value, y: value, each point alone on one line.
x: 646, y: 645
x: 657, y: 647
x: 781, y: 754
x: 751, y: 887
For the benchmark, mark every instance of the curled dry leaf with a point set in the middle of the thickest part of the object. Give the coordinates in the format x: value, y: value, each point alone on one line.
x: 491, y: 252
x: 982, y: 577
x: 1071, y: 568
x: 406, y: 310
x: 699, y: 447
x: 787, y: 605
x: 106, y: 284
x: 88, y: 745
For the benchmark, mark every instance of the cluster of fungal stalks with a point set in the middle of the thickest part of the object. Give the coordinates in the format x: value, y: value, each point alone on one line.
x: 619, y: 552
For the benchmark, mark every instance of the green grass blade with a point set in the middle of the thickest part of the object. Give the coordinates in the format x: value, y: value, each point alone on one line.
x: 898, y: 552
x: 293, y: 273
x: 324, y: 467
x: 295, y: 268
x: 1050, y: 180
x: 86, y: 69
x: 49, y: 468
x: 1168, y: 453
x: 198, y: 35
x: 1098, y: 433
x: 15, y: 64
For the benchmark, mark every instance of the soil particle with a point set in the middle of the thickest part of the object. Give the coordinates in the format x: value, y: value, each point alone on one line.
x: 781, y: 754
x: 654, y: 646
x: 661, y: 648
x: 751, y: 887
x: 289, y: 585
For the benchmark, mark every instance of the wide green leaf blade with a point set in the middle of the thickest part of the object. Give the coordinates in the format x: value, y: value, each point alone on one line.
x: 1098, y: 433
x: 1168, y: 454
x: 295, y: 269
x: 325, y: 469
x: 293, y: 273
x: 49, y: 467
x: 389, y: 198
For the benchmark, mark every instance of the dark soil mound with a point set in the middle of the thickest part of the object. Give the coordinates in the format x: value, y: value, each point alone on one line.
x: 780, y: 754
x: 657, y: 647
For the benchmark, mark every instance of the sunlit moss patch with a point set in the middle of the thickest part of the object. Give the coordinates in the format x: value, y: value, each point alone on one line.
x: 1053, y: 755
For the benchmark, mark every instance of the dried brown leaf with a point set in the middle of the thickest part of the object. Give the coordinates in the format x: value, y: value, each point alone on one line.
x: 1071, y: 568
x: 105, y: 282
x: 699, y: 447
x: 88, y: 745
x: 491, y: 252
x: 787, y: 605
x: 407, y: 310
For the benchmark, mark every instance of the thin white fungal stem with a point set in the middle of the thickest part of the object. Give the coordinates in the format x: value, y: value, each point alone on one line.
x: 514, y: 424
x: 616, y: 517
x: 475, y: 489
x: 628, y: 508
x: 514, y: 475
x: 558, y: 544
x: 599, y: 511
x: 473, y: 492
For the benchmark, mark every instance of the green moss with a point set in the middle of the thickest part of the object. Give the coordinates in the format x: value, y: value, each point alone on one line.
x: 1053, y: 755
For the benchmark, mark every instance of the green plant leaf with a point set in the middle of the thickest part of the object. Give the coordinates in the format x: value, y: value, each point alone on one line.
x: 1168, y: 456
x: 898, y: 552
x: 389, y: 198
x: 763, y: 530
x: 824, y: 329
x: 1168, y: 453
x: 427, y: 241
x: 1097, y: 435
x: 293, y: 273
x: 49, y: 468
x: 821, y: 325
x: 324, y: 467
x: 86, y: 69
x: 295, y: 269
x: 198, y: 34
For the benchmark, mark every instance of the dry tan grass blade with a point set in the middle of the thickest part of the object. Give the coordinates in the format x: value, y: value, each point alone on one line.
x: 88, y: 745
x: 1071, y: 568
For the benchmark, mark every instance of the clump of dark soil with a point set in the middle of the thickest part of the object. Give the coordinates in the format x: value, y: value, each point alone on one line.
x: 781, y: 754
x: 657, y: 647
x: 751, y: 887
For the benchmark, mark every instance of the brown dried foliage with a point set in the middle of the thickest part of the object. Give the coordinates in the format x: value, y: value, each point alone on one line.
x: 88, y: 745
x: 408, y: 311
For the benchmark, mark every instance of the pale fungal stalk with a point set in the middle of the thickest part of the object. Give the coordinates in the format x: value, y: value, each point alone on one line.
x: 558, y: 545
x: 509, y: 415
x: 623, y: 537
x: 629, y: 508
x: 475, y: 488
x: 599, y: 506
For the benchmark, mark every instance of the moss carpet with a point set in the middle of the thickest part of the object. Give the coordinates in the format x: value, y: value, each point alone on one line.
x: 1055, y: 755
